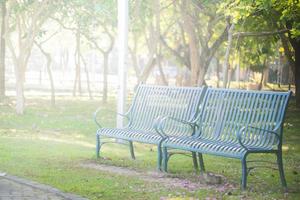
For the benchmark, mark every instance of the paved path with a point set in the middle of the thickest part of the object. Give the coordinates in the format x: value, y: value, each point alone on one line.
x: 15, y: 188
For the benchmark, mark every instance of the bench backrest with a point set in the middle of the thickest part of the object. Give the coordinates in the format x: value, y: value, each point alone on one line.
x: 224, y: 112
x: 150, y: 102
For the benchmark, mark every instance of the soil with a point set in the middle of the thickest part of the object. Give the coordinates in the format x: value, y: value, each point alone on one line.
x: 165, y: 179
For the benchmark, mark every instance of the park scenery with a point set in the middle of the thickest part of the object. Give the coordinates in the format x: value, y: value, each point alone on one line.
x: 149, y: 99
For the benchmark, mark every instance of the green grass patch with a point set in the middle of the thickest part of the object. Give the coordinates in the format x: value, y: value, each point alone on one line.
x: 48, y: 145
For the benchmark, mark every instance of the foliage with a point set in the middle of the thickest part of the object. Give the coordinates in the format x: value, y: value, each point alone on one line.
x: 289, y: 12
x: 257, y: 52
x: 265, y: 15
x: 184, y: 33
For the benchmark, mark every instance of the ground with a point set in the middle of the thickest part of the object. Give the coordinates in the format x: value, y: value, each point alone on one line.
x: 15, y: 188
x: 56, y: 146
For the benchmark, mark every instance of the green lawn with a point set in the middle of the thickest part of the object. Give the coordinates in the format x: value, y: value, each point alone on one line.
x: 48, y: 145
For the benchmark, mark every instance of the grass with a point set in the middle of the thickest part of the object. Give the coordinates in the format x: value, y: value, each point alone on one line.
x: 48, y: 144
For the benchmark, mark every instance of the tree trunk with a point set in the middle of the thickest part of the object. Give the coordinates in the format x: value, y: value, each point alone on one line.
x: 194, y: 59
x: 105, y: 73
x: 230, y: 75
x: 48, y: 65
x: 2, y: 50
x: 162, y: 74
x: 20, y: 100
x: 296, y: 46
x: 152, y: 43
x: 133, y: 53
x: 65, y: 61
x: 77, y: 81
x: 193, y: 42
x: 179, y: 76
x: 161, y: 71
x: 194, y: 51
x: 156, y: 7
x: 87, y: 77
x: 202, y: 73
x: 260, y: 85
x: 287, y: 51
x: 49, y: 61
x: 239, y: 68
x: 266, y: 76
x: 218, y: 73
x: 227, y: 54
x: 146, y: 72
x: 20, y: 64
x: 76, y: 77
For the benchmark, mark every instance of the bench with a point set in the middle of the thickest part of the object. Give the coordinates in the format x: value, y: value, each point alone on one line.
x: 234, y: 124
x: 150, y: 103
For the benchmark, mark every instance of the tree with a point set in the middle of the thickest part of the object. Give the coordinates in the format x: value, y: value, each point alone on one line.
x: 144, y: 35
x: 105, y: 51
x: 103, y: 29
x: 2, y: 49
x: 48, y: 65
x: 77, y: 59
x: 227, y: 54
x: 289, y: 12
x: 90, y: 20
x: 257, y: 55
x: 87, y: 77
x: 25, y: 19
x: 284, y: 20
x: 201, y: 30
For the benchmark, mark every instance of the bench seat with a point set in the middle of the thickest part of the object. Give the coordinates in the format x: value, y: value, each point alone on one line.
x: 151, y: 137
x: 211, y: 146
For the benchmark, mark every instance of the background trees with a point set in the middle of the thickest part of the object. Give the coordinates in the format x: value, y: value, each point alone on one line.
x: 283, y: 21
x: 193, y: 42
x: 24, y: 22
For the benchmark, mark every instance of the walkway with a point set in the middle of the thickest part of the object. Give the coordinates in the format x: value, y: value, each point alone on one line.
x: 15, y: 188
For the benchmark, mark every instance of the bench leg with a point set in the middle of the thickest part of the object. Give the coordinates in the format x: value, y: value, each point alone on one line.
x: 280, y: 168
x: 165, y: 159
x: 98, y: 145
x: 244, y: 174
x: 194, y: 155
x: 159, y: 157
x: 201, y: 163
x: 131, y: 150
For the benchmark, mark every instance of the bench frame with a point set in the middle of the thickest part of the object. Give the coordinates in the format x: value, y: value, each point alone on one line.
x: 197, y: 155
x: 278, y: 132
x: 99, y: 142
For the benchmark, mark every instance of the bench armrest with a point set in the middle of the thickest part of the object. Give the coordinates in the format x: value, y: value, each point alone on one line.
x: 244, y: 129
x: 126, y: 115
x: 161, y: 122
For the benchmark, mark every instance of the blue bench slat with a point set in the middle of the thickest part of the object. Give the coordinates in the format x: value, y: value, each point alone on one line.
x: 128, y: 134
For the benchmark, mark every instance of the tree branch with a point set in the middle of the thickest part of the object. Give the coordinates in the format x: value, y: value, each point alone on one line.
x: 176, y: 54
x: 260, y: 34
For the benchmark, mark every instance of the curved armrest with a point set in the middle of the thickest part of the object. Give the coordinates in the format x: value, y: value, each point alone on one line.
x: 245, y: 128
x: 159, y: 125
x: 126, y: 115
x: 197, y: 119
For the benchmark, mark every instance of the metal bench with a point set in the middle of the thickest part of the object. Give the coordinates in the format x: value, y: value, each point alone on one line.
x: 151, y: 103
x: 234, y: 123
